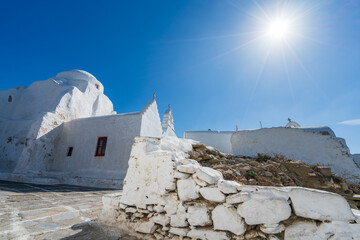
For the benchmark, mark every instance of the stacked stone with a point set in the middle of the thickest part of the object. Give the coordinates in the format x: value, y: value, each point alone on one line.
x: 202, y: 205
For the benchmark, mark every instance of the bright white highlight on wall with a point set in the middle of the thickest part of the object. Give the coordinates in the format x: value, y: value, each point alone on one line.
x: 278, y: 29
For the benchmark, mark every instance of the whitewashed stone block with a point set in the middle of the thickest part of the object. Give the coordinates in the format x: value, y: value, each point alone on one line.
x: 171, y: 204
x: 272, y: 228
x: 179, y: 220
x: 180, y: 175
x: 188, y: 161
x: 302, y: 230
x: 179, y: 231
x: 187, y: 189
x: 161, y: 219
x: 207, y: 235
x: 144, y: 226
x: 264, y: 211
x: 187, y: 168
x: 228, y: 187
x: 208, y: 175
x: 198, y: 181
x: 320, y: 205
x: 226, y: 218
x: 198, y: 216
x: 238, y: 198
x: 212, y: 194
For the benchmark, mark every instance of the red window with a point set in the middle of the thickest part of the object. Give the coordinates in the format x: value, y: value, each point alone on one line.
x: 101, y: 146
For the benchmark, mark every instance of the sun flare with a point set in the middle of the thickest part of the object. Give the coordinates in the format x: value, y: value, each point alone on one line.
x: 278, y: 29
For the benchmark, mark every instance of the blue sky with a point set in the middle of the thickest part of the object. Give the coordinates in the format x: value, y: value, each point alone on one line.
x: 209, y: 59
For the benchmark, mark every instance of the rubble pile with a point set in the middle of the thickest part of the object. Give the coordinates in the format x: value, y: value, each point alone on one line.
x: 265, y: 170
x: 168, y: 196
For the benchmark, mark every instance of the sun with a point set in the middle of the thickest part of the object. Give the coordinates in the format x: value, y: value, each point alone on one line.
x: 278, y: 29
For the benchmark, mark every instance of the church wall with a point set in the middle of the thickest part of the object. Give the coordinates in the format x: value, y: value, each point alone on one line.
x: 217, y: 139
x: 83, y: 134
x: 151, y: 124
x: 298, y: 144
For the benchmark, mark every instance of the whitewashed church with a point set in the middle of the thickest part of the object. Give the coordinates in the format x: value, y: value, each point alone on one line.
x: 64, y: 131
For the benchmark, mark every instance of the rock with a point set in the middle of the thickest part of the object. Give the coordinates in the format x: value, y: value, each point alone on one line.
x: 187, y: 168
x: 187, y: 189
x: 208, y: 175
x: 212, y: 194
x: 228, y: 187
x: 226, y: 218
x: 264, y: 211
x: 171, y: 204
x: 302, y: 230
x: 130, y: 210
x: 272, y: 228
x: 159, y: 208
x: 198, y: 181
x: 161, y: 219
x: 339, y: 230
x: 198, y: 216
x: 179, y: 220
x: 320, y: 205
x: 179, y: 231
x: 144, y: 226
x: 238, y: 198
x: 188, y: 161
x: 194, y: 154
x: 207, y: 235
x: 180, y: 175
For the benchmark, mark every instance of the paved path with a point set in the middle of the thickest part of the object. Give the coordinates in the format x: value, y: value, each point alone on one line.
x: 30, y: 211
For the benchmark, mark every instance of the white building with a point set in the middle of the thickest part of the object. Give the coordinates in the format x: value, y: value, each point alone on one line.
x: 64, y: 130
x: 314, y: 145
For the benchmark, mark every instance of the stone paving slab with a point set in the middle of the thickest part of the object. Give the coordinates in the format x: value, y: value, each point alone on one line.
x: 31, y: 211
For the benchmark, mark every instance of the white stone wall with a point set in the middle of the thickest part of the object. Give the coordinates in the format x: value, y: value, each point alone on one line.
x: 217, y: 139
x: 298, y: 144
x: 167, y: 196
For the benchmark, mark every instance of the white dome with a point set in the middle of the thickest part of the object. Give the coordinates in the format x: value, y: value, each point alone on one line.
x: 72, y: 77
x: 77, y: 74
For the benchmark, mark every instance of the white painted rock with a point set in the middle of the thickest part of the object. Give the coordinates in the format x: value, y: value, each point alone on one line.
x: 144, y: 226
x: 161, y: 219
x: 226, y: 218
x: 207, y: 235
x: 320, y: 205
x: 159, y: 209
x: 339, y: 230
x: 212, y: 194
x: 272, y: 228
x: 171, y: 204
x: 264, y: 211
x: 179, y: 220
x: 187, y: 168
x: 198, y: 216
x: 238, y: 198
x: 208, y: 175
x: 180, y: 175
x: 228, y: 187
x: 187, y: 189
x: 179, y: 231
x: 302, y: 230
x: 198, y: 181
x: 188, y: 161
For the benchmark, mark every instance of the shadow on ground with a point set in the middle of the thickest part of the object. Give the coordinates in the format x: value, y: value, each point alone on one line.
x: 33, y: 188
x: 92, y: 230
